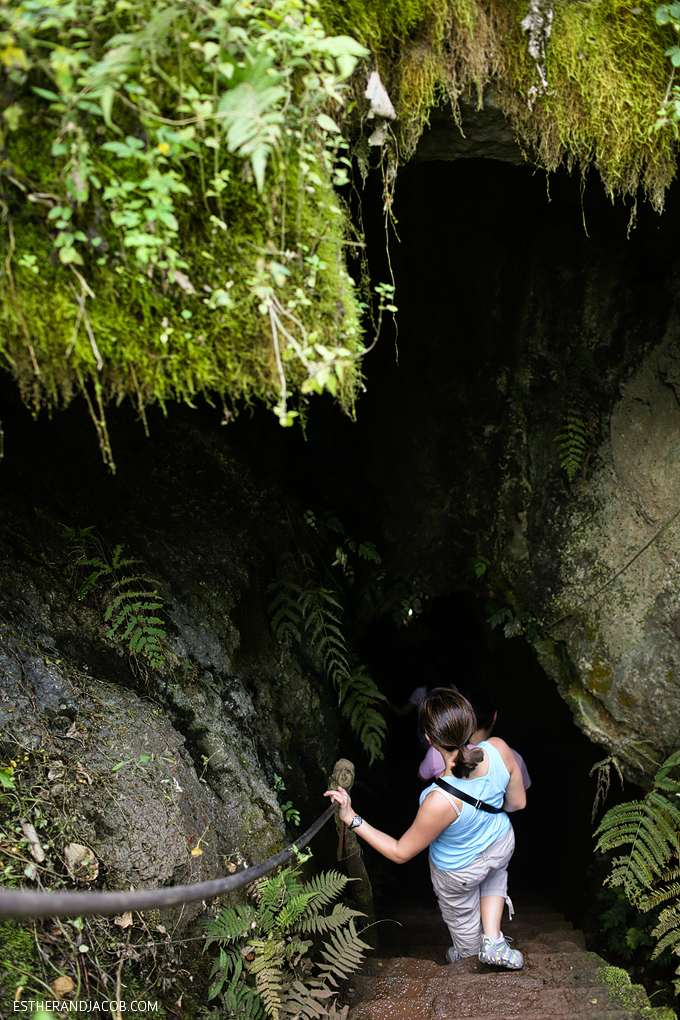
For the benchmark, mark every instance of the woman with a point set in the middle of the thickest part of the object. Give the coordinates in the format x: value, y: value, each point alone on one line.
x: 469, y: 847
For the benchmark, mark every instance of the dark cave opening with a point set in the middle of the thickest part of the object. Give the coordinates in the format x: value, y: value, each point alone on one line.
x: 476, y: 237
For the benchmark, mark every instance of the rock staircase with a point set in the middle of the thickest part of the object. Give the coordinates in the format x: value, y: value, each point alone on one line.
x: 560, y: 979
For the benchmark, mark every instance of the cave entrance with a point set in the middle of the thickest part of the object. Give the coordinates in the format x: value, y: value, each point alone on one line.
x: 453, y: 642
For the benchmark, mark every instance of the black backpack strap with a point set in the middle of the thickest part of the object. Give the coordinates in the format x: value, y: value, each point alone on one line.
x: 480, y: 804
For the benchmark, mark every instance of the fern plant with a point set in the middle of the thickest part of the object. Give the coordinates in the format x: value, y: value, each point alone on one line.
x: 264, y: 967
x: 311, y: 616
x: 132, y: 606
x: 649, y: 873
x: 579, y: 419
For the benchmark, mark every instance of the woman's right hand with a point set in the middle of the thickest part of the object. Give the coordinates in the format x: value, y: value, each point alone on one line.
x: 342, y: 798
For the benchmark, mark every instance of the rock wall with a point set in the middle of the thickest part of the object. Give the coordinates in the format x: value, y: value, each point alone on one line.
x: 152, y: 762
x: 614, y: 606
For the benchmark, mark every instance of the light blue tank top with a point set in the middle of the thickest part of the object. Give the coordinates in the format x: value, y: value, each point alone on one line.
x: 474, y: 830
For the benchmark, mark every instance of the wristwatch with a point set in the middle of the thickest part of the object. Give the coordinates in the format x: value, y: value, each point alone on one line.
x: 355, y: 823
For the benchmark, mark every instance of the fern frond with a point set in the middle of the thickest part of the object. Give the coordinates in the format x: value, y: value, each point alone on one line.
x: 318, y: 924
x: 242, y: 1002
x: 650, y: 873
x: 663, y: 776
x: 326, y: 888
x: 228, y: 966
x: 667, y: 930
x: 293, y: 910
x: 311, y: 613
x: 269, y: 978
x: 231, y: 923
x: 306, y: 1000
x: 669, y: 891
x: 343, y: 953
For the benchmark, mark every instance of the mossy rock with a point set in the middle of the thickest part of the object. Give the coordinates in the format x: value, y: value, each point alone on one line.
x: 156, y: 248
x: 628, y: 996
x: 588, y: 99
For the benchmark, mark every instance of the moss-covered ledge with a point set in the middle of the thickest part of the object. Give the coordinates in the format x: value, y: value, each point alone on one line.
x: 623, y: 994
x: 171, y: 225
x: 581, y: 83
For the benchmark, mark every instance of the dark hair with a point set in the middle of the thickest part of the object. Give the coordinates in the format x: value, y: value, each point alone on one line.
x: 449, y: 721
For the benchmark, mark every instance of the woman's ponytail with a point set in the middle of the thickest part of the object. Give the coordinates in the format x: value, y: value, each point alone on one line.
x: 467, y: 761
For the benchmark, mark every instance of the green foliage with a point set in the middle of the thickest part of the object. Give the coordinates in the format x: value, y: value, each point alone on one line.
x: 265, y: 966
x: 669, y: 14
x: 604, y: 63
x: 310, y: 618
x: 131, y: 605
x: 478, y: 565
x: 359, y: 698
x: 516, y: 622
x: 669, y: 112
x: 172, y: 224
x: 290, y: 813
x: 330, y: 531
x: 649, y: 873
x: 579, y: 419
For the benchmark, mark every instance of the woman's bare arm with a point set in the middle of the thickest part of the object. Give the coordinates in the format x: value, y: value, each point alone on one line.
x: 434, y: 815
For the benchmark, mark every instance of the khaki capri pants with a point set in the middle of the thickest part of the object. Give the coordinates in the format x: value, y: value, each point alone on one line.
x: 458, y: 892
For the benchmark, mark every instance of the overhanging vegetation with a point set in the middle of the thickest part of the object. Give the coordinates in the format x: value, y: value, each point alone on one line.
x: 172, y: 225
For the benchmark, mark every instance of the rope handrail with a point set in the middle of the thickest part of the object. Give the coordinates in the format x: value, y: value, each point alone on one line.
x: 20, y: 903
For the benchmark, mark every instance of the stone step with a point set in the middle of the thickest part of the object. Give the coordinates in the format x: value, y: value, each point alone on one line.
x: 560, y: 978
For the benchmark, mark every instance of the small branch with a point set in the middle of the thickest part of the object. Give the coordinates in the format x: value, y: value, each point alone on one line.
x: 80, y: 298
x: 273, y: 318
x: 76, y: 328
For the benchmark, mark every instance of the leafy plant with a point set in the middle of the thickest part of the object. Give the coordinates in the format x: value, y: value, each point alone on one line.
x: 649, y: 873
x: 284, y: 955
x: 194, y: 150
x: 516, y: 621
x: 579, y: 421
x: 310, y: 617
x: 409, y: 602
x: 478, y: 565
x: 290, y: 813
x: 132, y: 605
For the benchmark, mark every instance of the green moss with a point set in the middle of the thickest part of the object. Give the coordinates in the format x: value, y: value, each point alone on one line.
x: 18, y: 956
x: 605, y: 67
x: 227, y: 278
x: 624, y: 994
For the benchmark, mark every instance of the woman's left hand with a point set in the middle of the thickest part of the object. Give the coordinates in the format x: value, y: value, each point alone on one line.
x: 342, y: 798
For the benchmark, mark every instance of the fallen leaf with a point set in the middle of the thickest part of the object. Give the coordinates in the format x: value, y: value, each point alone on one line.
x: 63, y: 986
x: 81, y: 863
x: 83, y: 772
x: 124, y: 920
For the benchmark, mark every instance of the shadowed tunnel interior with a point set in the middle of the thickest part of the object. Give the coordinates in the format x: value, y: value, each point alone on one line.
x: 477, y: 240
